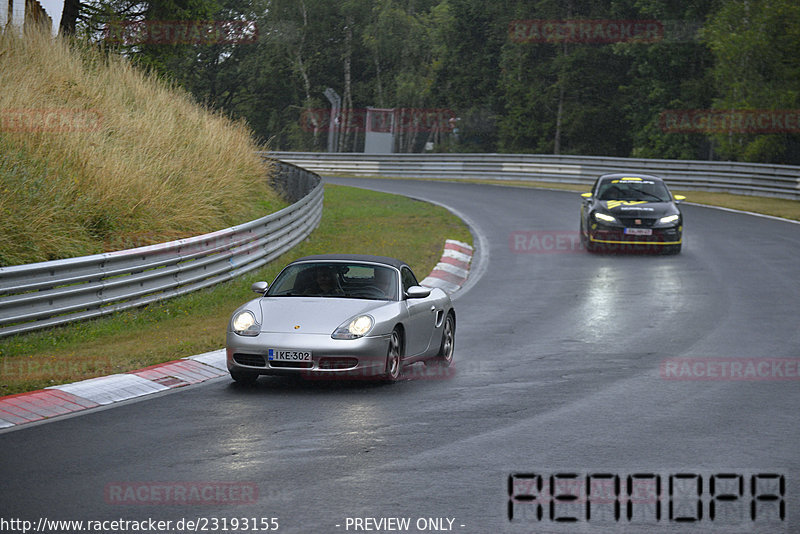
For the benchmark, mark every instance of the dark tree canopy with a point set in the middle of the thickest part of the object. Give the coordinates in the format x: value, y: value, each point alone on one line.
x: 490, y: 67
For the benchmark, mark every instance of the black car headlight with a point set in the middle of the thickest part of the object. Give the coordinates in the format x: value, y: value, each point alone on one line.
x: 603, y: 218
x: 354, y: 328
x: 669, y: 219
x: 244, y: 323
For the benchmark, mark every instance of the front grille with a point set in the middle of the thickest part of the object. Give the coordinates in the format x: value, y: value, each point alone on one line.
x: 253, y: 360
x: 657, y: 236
x: 338, y: 363
x: 631, y: 222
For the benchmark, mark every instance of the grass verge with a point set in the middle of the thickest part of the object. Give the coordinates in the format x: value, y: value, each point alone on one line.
x: 96, y: 156
x: 353, y: 221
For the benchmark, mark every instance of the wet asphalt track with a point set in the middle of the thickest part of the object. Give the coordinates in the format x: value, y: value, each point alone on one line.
x: 557, y: 371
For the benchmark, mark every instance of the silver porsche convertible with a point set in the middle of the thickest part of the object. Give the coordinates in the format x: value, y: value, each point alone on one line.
x: 341, y: 316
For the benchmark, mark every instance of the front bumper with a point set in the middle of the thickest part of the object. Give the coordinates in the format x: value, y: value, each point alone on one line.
x: 330, y: 358
x: 610, y: 237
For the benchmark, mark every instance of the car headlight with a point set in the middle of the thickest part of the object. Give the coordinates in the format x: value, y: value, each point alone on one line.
x: 354, y: 328
x: 603, y: 217
x: 669, y: 219
x: 244, y: 323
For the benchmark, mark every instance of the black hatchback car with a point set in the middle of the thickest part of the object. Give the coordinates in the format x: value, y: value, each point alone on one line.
x: 631, y: 212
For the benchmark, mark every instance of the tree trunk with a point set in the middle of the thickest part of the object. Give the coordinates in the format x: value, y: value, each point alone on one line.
x: 301, y: 67
x: 559, y: 113
x: 344, y: 140
x: 69, y: 17
x: 377, y: 61
x: 561, y: 88
x: 299, y: 53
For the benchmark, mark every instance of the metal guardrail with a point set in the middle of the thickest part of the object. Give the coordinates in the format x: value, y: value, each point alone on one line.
x: 741, y: 178
x: 40, y: 295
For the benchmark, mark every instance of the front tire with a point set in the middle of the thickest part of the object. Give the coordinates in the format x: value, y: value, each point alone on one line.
x: 393, y: 357
x: 588, y: 244
x: 586, y: 240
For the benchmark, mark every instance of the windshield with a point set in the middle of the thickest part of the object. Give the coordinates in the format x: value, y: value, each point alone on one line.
x: 639, y: 189
x: 336, y: 279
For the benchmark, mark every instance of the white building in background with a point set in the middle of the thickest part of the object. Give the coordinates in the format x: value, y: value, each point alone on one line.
x: 19, y: 13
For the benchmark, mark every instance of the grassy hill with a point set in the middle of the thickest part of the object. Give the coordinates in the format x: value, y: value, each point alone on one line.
x: 97, y: 156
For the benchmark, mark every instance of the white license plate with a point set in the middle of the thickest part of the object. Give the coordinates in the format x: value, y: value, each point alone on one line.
x: 638, y: 231
x: 289, y: 355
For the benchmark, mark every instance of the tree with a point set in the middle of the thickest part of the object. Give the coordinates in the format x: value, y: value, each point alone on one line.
x: 509, y: 94
x: 756, y: 48
x: 560, y: 94
x: 468, y: 68
x: 672, y: 73
x: 91, y: 17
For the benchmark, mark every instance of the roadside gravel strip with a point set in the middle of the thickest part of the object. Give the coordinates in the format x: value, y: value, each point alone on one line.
x: 450, y: 274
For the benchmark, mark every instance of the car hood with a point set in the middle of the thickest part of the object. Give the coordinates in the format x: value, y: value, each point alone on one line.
x: 311, y: 315
x: 638, y: 208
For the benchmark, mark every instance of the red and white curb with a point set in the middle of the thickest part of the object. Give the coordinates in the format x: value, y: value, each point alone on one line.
x: 450, y: 274
x: 68, y: 398
x: 452, y: 271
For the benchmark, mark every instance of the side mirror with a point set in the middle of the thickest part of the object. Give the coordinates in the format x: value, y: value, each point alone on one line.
x: 586, y: 195
x: 679, y: 198
x: 418, y: 292
x: 259, y: 287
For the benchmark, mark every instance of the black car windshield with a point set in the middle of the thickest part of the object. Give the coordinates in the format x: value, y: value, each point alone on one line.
x: 336, y: 280
x: 630, y: 189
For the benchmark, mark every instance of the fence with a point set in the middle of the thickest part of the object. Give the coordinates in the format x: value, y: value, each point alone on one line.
x: 51, y: 293
x: 20, y: 13
x: 741, y: 178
